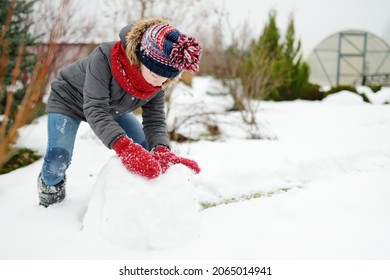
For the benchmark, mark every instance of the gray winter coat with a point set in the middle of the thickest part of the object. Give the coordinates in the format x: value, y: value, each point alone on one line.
x: 86, y: 90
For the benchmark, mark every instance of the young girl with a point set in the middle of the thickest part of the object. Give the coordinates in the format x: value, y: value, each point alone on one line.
x: 104, y: 88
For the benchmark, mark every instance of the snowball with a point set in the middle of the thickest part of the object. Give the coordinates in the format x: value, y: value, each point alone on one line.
x: 143, y: 214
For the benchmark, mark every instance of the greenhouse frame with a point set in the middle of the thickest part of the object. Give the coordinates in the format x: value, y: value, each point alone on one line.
x: 351, y: 57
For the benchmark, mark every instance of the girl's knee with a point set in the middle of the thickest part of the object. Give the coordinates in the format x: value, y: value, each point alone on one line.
x: 56, y: 162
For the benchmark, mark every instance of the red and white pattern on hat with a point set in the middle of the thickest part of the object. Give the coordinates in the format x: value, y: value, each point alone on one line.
x: 153, y: 42
x: 166, y: 45
x: 161, y: 34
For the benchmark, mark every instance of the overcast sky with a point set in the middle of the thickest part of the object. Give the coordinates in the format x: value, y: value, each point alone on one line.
x: 315, y: 19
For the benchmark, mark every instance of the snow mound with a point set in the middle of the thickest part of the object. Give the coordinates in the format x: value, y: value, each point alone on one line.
x: 142, y: 214
x: 343, y: 97
x: 381, y: 97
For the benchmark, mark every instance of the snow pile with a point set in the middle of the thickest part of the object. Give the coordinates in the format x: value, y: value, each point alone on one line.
x: 343, y: 97
x: 141, y: 214
x: 380, y: 97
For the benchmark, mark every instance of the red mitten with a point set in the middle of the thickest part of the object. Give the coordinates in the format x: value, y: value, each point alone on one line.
x: 166, y: 158
x: 136, y: 158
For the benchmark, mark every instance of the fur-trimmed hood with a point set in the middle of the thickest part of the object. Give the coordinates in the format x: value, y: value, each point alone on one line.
x: 131, y: 36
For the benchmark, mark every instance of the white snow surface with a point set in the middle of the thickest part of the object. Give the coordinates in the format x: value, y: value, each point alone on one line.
x: 319, y: 190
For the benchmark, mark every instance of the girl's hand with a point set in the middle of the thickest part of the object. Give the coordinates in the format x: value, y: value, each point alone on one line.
x: 136, y: 158
x: 166, y: 158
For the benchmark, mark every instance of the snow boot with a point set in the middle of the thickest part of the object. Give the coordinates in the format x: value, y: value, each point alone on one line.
x: 50, y: 194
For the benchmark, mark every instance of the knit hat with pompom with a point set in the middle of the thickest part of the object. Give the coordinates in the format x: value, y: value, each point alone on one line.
x: 166, y: 52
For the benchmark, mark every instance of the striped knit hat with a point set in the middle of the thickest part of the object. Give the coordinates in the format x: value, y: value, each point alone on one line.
x: 166, y: 52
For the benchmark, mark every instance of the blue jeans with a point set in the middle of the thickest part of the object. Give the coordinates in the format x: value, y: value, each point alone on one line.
x: 62, y: 132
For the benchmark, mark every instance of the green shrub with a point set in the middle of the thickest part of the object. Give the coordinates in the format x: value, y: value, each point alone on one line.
x: 311, y: 92
x: 375, y: 88
x: 339, y: 88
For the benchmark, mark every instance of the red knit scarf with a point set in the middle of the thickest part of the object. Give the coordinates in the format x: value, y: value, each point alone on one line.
x: 128, y: 75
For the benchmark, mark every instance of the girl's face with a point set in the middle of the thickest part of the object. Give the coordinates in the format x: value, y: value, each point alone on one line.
x: 152, y: 78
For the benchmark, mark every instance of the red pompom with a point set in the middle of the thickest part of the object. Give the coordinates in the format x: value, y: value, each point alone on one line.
x: 186, y: 53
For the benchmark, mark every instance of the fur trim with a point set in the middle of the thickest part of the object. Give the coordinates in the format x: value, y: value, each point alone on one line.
x: 133, y: 39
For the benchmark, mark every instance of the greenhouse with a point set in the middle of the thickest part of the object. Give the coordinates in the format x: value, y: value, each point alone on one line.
x: 351, y: 57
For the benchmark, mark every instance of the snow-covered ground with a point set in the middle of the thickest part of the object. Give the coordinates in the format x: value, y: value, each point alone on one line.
x: 319, y: 190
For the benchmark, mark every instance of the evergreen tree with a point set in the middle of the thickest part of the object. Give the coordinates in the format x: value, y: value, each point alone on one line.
x: 298, y: 74
x: 267, y: 57
x: 297, y: 71
x: 17, y: 34
x: 270, y: 37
